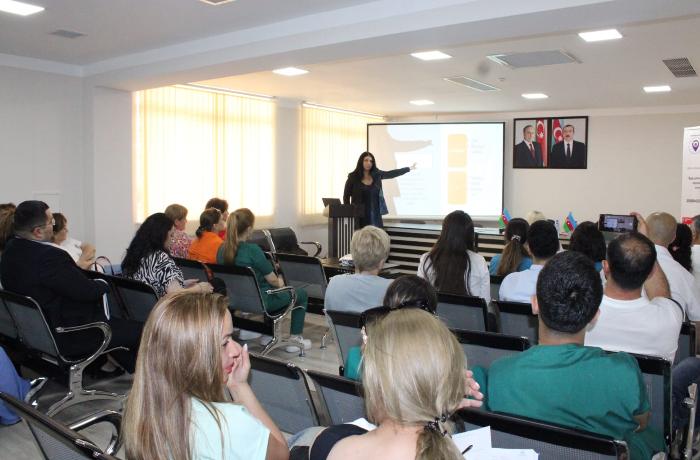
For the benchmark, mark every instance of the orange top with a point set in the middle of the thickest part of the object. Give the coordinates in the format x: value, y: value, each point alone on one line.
x: 204, y: 248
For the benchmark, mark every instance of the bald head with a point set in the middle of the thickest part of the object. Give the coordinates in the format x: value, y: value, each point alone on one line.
x: 662, y: 228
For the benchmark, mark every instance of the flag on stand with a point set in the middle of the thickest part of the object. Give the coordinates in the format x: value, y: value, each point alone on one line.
x: 541, y: 138
x: 569, y: 223
x: 503, y: 220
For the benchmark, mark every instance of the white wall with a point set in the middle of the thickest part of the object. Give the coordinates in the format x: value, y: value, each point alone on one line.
x: 41, y: 123
x: 634, y: 163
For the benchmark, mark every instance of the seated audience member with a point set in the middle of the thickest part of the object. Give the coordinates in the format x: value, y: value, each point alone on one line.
x: 514, y: 257
x: 82, y: 253
x: 404, y: 291
x: 180, y: 241
x: 533, y: 216
x: 589, y: 241
x: 680, y: 247
x: 563, y: 382
x: 662, y: 231
x: 542, y: 244
x: 452, y: 265
x: 7, y: 217
x: 188, y: 350
x: 33, y: 267
x: 630, y: 321
x: 695, y: 251
x: 147, y: 259
x: 222, y: 206
x: 237, y: 251
x: 363, y: 289
x: 208, y: 242
x: 414, y: 380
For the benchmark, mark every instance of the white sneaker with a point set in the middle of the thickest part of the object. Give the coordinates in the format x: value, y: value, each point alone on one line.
x: 300, y: 341
x: 292, y: 349
x: 248, y: 335
x: 264, y: 340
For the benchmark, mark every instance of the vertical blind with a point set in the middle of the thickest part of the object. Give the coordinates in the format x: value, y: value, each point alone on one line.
x: 191, y: 145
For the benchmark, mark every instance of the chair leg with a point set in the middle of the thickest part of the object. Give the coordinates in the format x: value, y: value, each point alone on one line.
x: 691, y: 402
x: 77, y: 394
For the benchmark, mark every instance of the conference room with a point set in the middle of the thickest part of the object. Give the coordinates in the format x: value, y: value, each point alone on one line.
x: 112, y: 112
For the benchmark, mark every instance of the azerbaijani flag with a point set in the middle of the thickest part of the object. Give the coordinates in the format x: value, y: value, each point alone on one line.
x: 557, y: 135
x: 541, y: 138
x: 503, y: 220
x: 569, y: 223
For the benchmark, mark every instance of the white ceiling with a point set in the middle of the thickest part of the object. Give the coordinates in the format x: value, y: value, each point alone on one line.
x: 357, y: 50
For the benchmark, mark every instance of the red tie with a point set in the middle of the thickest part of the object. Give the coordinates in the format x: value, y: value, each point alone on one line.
x: 532, y: 151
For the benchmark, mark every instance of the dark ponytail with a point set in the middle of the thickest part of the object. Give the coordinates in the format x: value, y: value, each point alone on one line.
x: 514, y: 250
x: 207, y: 220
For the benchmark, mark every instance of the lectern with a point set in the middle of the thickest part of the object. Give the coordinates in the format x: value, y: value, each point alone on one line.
x: 343, y: 219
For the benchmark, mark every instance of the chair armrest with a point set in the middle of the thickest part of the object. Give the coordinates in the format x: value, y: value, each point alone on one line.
x: 292, y: 302
x: 107, y: 336
x: 318, y: 245
x: 109, y: 416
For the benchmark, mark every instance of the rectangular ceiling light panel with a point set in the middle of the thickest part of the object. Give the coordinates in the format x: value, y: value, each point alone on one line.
x: 533, y: 58
x: 19, y: 8
x: 471, y: 83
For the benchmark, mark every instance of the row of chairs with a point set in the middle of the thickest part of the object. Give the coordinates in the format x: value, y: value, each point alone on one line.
x: 482, y: 348
x: 297, y: 399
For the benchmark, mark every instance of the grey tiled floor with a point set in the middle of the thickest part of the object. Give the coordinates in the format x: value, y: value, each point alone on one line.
x: 16, y: 442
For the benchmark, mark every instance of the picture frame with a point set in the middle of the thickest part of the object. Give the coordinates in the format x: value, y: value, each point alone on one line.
x: 550, y: 142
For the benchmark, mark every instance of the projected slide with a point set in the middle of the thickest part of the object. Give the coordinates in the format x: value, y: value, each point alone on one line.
x: 459, y: 166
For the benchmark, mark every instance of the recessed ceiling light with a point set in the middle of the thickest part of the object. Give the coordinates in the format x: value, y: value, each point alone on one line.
x: 657, y: 89
x: 535, y: 96
x: 600, y: 35
x: 421, y: 102
x: 290, y: 71
x: 20, y: 8
x: 216, y: 2
x: 431, y: 55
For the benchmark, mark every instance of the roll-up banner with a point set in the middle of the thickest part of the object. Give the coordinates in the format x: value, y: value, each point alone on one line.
x: 690, y: 190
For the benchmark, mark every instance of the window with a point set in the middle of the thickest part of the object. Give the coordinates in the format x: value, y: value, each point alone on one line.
x: 192, y: 144
x: 332, y: 140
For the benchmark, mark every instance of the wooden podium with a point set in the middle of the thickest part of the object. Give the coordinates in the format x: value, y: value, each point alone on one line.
x: 343, y: 219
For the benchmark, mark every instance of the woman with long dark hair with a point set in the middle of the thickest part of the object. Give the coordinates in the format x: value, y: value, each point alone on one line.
x: 148, y: 260
x: 364, y: 186
x: 514, y: 257
x: 452, y: 265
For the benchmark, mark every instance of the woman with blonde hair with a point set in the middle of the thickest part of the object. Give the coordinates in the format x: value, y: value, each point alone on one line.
x: 237, y: 251
x: 179, y: 241
x: 414, y: 377
x: 178, y: 408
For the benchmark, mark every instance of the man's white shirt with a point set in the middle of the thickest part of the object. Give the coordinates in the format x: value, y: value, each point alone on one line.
x: 684, y: 289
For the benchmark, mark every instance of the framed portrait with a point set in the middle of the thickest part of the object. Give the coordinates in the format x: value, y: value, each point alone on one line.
x: 552, y: 143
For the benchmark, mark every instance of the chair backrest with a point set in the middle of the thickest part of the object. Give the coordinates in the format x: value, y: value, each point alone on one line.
x: 686, y: 342
x: 116, y: 303
x: 285, y: 241
x: 346, y: 327
x: 261, y: 239
x: 483, y: 348
x: 32, y: 327
x: 341, y: 398
x: 516, y: 318
x: 55, y: 441
x: 463, y: 312
x: 549, y: 441
x: 657, y: 378
x: 284, y: 393
x: 304, y: 272
x: 138, y: 298
x: 495, y: 285
x: 191, y: 269
x: 242, y: 286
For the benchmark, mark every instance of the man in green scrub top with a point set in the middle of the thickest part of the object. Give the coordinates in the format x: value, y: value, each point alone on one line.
x: 563, y: 382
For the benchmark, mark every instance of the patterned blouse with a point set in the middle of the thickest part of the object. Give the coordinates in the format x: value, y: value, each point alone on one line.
x: 180, y: 244
x: 158, y: 270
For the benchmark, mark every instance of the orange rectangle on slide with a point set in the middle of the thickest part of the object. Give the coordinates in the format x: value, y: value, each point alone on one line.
x: 457, y: 187
x: 457, y: 151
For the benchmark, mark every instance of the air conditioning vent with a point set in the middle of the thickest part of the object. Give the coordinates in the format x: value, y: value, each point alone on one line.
x: 472, y: 84
x: 216, y: 2
x: 67, y: 33
x: 680, y: 67
x: 533, y: 58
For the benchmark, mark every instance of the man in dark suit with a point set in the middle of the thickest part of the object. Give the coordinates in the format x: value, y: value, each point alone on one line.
x: 568, y: 153
x: 33, y: 267
x: 528, y: 153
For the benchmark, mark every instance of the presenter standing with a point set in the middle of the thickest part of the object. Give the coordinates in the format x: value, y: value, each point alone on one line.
x: 364, y: 186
